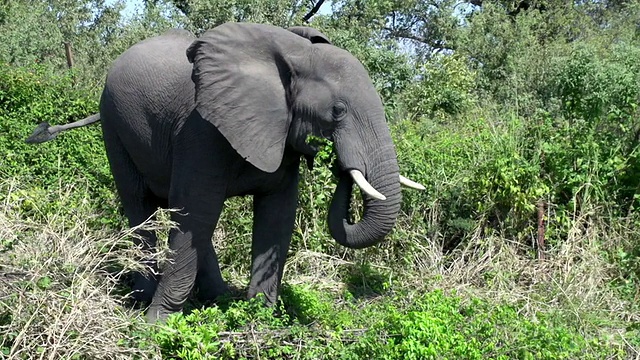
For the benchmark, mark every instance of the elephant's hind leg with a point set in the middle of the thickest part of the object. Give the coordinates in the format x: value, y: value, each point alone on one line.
x: 145, y: 283
x: 139, y: 205
x: 209, y: 282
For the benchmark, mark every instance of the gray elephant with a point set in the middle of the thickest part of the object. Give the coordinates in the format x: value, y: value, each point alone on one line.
x: 259, y: 92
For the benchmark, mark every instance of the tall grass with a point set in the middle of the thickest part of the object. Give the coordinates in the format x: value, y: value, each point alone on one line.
x: 61, y: 293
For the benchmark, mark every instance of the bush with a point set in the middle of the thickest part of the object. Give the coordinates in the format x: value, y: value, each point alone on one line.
x: 596, y: 84
x: 443, y: 87
x: 35, y: 94
x: 496, y: 169
x: 475, y: 170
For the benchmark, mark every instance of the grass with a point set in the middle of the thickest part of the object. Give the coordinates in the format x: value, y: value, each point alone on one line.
x: 62, y: 296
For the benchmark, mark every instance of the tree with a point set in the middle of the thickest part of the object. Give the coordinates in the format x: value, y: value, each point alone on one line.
x: 205, y: 14
x: 35, y: 31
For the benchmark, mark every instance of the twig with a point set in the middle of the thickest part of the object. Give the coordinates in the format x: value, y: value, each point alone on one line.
x: 540, y: 248
x: 255, y: 342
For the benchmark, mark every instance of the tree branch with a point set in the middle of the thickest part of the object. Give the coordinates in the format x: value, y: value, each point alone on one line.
x: 519, y: 6
x: 313, y: 11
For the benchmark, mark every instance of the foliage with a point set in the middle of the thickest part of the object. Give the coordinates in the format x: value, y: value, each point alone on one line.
x: 424, y: 27
x: 34, y: 32
x: 443, y: 88
x: 206, y: 14
x: 568, y: 164
x: 209, y: 333
x: 434, y: 325
x: 477, y: 173
x: 37, y: 93
x: 59, y: 21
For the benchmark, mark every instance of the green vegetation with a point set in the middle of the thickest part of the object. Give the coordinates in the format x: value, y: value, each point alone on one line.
x: 432, y: 325
x: 500, y: 111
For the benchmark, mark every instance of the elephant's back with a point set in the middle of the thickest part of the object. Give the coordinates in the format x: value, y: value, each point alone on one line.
x: 155, y: 73
x: 167, y: 50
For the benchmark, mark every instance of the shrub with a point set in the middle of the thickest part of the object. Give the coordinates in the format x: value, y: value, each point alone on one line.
x: 443, y: 87
x: 35, y: 94
x: 474, y: 169
x: 497, y: 168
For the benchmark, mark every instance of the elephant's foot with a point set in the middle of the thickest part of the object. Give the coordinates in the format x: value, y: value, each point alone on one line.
x: 270, y: 293
x: 144, y: 286
x: 158, y: 314
x: 209, y: 283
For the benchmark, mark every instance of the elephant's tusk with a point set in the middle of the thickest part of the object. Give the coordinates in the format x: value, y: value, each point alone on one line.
x: 365, y: 186
x: 411, y: 184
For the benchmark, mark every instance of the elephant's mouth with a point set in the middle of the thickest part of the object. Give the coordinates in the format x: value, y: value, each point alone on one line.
x: 327, y: 134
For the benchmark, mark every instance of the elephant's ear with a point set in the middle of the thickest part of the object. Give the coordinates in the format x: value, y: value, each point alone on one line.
x: 312, y: 34
x: 242, y: 73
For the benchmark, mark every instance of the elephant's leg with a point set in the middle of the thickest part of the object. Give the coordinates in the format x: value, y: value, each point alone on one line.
x: 273, y: 221
x: 209, y: 282
x: 188, y: 243
x: 144, y: 283
x: 139, y: 204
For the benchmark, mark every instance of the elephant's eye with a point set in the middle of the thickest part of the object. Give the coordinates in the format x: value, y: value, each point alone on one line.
x: 339, y: 110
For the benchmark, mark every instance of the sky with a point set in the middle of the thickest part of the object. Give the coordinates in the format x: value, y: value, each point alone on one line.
x: 132, y: 5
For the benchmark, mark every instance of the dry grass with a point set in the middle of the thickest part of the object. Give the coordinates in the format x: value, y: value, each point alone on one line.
x: 58, y: 289
x: 575, y: 280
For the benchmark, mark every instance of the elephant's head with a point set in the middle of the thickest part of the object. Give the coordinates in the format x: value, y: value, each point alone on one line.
x: 267, y: 89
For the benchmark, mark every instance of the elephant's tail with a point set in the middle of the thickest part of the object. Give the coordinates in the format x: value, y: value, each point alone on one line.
x: 44, y: 132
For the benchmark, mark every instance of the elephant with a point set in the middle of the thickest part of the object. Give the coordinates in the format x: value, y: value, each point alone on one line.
x: 190, y: 121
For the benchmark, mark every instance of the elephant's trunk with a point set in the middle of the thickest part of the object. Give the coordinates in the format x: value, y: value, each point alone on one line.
x: 379, y: 215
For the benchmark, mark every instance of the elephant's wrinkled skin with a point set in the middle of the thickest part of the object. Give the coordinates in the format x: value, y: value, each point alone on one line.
x: 259, y: 92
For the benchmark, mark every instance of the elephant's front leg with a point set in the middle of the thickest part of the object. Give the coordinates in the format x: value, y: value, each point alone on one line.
x: 274, y: 216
